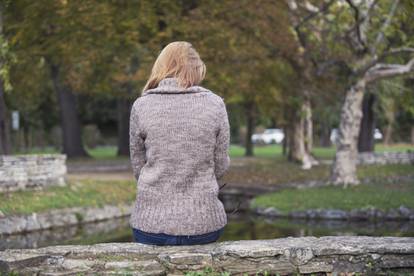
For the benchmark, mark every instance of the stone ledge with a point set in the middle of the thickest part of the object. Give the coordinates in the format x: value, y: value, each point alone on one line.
x: 382, y: 158
x: 371, y: 214
x: 367, y: 255
x: 60, y: 218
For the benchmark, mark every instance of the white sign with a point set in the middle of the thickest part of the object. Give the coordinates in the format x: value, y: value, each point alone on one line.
x: 15, y: 120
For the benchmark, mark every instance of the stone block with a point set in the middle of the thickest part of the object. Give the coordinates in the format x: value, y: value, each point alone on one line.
x: 20, y: 172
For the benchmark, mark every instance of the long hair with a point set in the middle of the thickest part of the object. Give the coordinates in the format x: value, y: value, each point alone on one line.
x: 180, y: 60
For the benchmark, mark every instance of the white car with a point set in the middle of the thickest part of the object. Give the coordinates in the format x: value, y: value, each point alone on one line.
x: 269, y: 136
x: 334, y: 135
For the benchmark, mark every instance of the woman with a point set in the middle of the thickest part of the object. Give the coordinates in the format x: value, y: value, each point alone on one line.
x: 179, y: 142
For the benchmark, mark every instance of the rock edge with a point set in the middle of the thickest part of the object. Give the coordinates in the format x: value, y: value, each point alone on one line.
x: 330, y: 254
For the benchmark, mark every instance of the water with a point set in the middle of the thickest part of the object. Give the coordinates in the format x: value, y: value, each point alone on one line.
x: 240, y: 226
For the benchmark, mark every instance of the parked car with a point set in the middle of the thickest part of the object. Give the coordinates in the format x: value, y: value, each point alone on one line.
x: 269, y: 136
x: 334, y: 135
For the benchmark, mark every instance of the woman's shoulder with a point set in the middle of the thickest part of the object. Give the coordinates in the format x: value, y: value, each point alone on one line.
x: 197, y: 90
x: 214, y: 96
x: 214, y: 100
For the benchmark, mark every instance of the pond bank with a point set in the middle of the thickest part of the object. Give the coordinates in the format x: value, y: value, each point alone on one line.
x: 60, y: 218
x: 240, y: 226
x: 401, y: 213
x: 234, y: 198
x: 367, y: 255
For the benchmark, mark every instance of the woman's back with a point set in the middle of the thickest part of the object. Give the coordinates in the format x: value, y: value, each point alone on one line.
x: 179, y: 139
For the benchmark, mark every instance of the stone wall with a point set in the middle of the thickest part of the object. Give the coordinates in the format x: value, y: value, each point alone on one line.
x: 19, y: 172
x: 60, y: 218
x: 382, y: 158
x: 330, y: 255
x: 103, y: 231
x: 367, y: 214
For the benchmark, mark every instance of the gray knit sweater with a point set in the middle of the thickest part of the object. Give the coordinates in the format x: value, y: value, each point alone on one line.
x: 179, y: 142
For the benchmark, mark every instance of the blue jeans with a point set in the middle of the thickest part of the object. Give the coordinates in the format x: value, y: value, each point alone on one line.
x: 165, y: 239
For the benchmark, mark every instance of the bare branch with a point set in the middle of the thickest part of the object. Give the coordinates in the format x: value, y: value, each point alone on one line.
x: 374, y: 61
x: 396, y: 51
x: 310, y: 7
x: 383, y: 66
x: 387, y: 22
x: 297, y: 22
x: 293, y: 6
x: 357, y: 33
x: 381, y: 71
x: 314, y: 11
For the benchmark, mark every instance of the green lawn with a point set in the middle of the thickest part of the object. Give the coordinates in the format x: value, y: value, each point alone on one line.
x: 91, y: 192
x: 75, y: 194
x: 382, y: 195
x: 270, y: 151
x: 267, y: 168
x: 274, y: 171
x: 320, y: 152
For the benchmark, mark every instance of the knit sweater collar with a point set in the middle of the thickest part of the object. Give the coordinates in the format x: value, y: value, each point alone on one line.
x: 171, y: 86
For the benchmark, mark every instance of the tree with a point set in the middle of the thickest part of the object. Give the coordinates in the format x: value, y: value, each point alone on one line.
x: 89, y: 48
x: 231, y: 37
x: 370, y: 62
x: 49, y: 32
x: 360, y: 37
x: 366, y: 141
x: 6, y: 58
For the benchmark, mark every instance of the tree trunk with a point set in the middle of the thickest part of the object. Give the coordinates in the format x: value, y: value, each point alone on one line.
x: 308, y: 125
x: 325, y: 138
x: 71, y: 128
x: 123, y: 109
x: 300, y: 137
x: 343, y: 170
x: 366, y: 141
x: 285, y: 140
x: 412, y: 135
x: 308, y: 160
x: 388, y: 133
x: 5, y: 146
x: 296, y: 139
x: 26, y: 135
x: 250, y: 125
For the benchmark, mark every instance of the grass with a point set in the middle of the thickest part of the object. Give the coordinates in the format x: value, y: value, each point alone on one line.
x: 266, y: 171
x: 100, y: 152
x: 95, y: 193
x: 320, y: 152
x: 209, y: 271
x: 272, y: 151
x: 268, y: 151
x: 382, y: 195
x: 75, y: 194
x: 107, y: 152
x: 381, y: 171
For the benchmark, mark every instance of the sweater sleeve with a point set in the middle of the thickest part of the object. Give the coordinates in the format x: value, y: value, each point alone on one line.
x: 221, y: 152
x: 136, y: 144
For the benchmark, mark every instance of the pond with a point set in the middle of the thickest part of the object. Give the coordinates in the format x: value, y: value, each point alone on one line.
x: 241, y: 226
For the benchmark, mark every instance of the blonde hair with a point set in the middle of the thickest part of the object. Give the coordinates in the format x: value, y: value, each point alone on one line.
x: 180, y: 60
